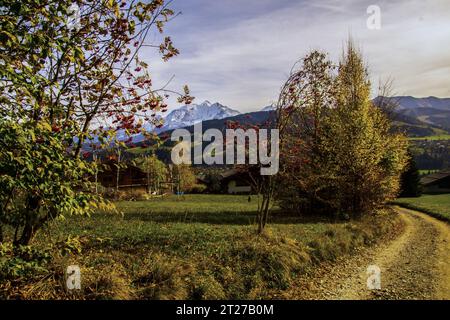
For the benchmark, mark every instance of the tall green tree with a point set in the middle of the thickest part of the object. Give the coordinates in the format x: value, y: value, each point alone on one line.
x: 364, y: 156
x: 184, y: 177
x: 156, y: 172
x: 410, y: 179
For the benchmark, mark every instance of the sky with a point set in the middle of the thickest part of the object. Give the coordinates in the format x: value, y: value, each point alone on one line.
x: 239, y: 52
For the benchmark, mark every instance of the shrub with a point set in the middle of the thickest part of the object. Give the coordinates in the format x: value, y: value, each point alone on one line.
x: 131, y: 195
x: 22, y: 261
x: 198, y: 188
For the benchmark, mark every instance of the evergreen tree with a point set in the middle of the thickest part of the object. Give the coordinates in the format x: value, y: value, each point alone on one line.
x: 410, y: 179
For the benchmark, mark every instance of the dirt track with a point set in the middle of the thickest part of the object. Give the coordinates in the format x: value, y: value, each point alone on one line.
x: 415, y: 265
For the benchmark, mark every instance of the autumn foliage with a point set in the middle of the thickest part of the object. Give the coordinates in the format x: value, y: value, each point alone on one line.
x: 338, y: 154
x: 71, y: 73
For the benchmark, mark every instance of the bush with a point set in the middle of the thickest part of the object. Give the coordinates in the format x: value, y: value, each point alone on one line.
x: 22, y: 261
x: 129, y: 195
x: 198, y: 188
x: 214, y: 182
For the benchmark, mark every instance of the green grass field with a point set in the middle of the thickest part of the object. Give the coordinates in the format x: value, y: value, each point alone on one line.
x: 425, y: 172
x: 185, y: 247
x: 437, y: 205
x: 434, y: 137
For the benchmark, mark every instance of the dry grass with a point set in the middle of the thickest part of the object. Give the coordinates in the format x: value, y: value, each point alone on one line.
x: 189, y: 252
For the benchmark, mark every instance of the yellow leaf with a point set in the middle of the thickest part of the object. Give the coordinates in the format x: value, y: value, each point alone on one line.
x: 45, y: 126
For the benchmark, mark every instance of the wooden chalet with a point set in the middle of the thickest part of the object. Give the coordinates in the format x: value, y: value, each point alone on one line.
x: 438, y: 182
x: 240, y: 181
x: 127, y: 178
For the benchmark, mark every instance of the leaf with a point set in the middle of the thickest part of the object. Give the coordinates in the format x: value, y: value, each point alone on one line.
x: 44, y: 125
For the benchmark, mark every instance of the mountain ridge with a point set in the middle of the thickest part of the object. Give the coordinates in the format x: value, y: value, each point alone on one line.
x: 415, y: 116
x: 426, y: 110
x: 188, y: 115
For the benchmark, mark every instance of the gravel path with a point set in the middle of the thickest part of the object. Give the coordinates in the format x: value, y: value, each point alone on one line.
x: 415, y: 265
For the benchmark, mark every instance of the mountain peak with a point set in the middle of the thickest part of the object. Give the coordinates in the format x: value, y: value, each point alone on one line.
x: 191, y: 114
x: 270, y: 107
x: 206, y: 103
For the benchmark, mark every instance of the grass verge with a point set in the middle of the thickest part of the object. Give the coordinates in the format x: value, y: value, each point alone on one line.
x: 192, y: 247
x: 436, y: 205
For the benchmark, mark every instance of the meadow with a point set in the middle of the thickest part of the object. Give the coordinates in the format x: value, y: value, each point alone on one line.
x: 436, y: 205
x: 433, y: 137
x: 182, y: 247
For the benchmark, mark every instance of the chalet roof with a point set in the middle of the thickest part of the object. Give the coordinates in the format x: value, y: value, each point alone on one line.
x: 111, y: 165
x: 253, y: 170
x: 230, y: 173
x: 435, y: 177
x: 201, y: 178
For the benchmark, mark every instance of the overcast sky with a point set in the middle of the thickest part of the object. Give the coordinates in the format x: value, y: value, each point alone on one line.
x: 239, y: 52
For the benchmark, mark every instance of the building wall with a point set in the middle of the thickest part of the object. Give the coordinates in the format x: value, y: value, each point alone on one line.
x: 234, y: 188
x: 442, y: 185
x: 127, y: 177
x: 435, y: 189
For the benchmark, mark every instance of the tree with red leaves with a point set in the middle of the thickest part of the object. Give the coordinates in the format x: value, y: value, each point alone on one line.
x: 70, y: 68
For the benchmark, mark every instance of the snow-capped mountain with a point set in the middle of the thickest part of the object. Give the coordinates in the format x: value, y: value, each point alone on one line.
x: 269, y: 108
x: 190, y: 114
x: 184, y: 116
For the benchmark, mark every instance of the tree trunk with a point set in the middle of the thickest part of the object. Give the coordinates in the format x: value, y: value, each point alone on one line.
x: 266, y: 211
x: 118, y: 172
x: 263, y: 212
x: 261, y: 215
x: 27, y: 234
x: 96, y: 173
x: 32, y: 221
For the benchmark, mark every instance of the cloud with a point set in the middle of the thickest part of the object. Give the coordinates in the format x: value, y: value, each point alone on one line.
x: 240, y: 52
